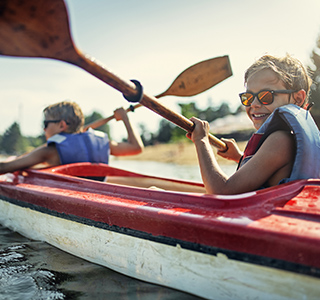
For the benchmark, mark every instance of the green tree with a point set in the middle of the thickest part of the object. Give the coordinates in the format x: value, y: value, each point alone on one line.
x: 96, y: 116
x: 178, y: 134
x: 146, y: 136
x: 34, y: 142
x: 12, y: 141
x: 169, y: 132
x: 223, y: 110
x: 210, y: 114
x: 165, y: 131
x: 189, y: 110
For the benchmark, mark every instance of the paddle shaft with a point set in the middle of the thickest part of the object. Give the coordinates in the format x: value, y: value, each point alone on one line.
x: 129, y: 89
x: 192, y: 81
x: 40, y: 28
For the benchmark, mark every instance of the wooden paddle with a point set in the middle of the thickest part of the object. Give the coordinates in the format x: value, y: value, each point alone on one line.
x: 40, y: 28
x: 192, y: 81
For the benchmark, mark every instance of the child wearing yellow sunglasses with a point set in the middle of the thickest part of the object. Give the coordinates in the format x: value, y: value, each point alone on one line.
x: 286, y: 144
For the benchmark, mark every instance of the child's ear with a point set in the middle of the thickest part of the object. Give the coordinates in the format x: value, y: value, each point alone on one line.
x: 299, y: 97
x: 63, y: 125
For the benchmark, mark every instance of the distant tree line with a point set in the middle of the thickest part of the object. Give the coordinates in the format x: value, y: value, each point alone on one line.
x: 169, y: 132
x: 12, y: 142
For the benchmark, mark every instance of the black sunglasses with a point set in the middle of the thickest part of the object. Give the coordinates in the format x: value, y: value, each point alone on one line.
x: 46, y: 122
x: 265, y: 97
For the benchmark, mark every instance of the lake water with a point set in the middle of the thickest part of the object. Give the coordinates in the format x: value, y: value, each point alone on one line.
x: 35, y: 270
x: 170, y: 170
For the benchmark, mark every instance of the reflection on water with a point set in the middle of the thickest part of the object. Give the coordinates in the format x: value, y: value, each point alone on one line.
x: 35, y: 270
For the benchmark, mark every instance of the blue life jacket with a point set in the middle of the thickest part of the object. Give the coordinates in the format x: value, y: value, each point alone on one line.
x: 307, y: 140
x: 90, y: 146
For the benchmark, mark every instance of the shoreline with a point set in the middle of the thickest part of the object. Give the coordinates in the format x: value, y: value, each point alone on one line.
x: 182, y: 153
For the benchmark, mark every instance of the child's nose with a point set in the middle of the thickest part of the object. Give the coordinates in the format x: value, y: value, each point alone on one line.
x: 255, y: 102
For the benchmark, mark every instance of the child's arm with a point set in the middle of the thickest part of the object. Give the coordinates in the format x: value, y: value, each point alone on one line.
x: 43, y: 154
x: 134, y: 145
x: 271, y: 163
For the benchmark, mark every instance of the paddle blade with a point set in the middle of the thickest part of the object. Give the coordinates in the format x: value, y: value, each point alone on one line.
x: 200, y: 77
x: 35, y: 28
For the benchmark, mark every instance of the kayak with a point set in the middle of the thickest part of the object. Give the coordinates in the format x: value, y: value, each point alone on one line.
x: 258, y: 245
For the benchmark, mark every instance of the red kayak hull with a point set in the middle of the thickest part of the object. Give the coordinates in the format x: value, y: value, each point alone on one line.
x: 278, y: 227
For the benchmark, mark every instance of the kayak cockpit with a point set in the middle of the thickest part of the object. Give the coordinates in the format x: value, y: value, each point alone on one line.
x: 103, y: 172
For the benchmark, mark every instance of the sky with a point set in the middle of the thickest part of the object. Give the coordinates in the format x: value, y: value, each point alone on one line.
x: 153, y: 42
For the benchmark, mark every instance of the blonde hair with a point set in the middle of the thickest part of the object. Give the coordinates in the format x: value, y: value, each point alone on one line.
x: 70, y: 112
x: 288, y: 69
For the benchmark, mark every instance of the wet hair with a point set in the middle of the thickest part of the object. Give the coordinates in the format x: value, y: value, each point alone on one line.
x: 70, y: 112
x: 288, y: 69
